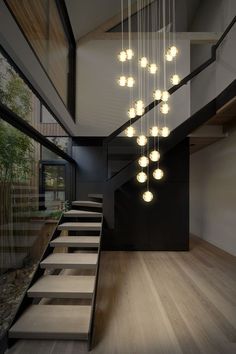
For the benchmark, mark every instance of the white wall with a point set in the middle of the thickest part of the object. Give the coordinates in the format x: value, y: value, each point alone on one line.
x: 213, y: 16
x: 213, y: 194
x: 102, y: 105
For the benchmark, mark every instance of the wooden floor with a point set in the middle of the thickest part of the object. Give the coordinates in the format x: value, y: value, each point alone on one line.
x: 160, y: 302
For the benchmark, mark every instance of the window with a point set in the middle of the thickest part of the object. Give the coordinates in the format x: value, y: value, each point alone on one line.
x: 43, y: 23
x: 53, y: 176
x: 19, y: 98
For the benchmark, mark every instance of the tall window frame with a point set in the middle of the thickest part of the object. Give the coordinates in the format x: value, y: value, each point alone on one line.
x: 68, y: 32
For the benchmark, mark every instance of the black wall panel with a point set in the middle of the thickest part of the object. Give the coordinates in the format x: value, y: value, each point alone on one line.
x: 162, y: 224
x: 90, y: 176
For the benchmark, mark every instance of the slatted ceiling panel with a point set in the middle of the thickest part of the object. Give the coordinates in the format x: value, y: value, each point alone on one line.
x: 51, y: 129
x: 32, y: 17
x: 42, y: 27
x: 58, y: 51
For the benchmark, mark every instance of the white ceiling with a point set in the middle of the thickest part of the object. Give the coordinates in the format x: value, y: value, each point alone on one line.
x: 86, y: 15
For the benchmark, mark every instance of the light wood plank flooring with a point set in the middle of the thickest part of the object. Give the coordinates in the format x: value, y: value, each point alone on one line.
x: 158, y: 303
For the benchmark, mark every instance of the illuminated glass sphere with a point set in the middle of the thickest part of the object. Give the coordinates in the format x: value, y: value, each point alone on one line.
x: 165, y: 108
x: 175, y: 79
x: 165, y: 132
x: 141, y: 177
x: 139, y: 104
x: 168, y: 56
x: 158, y: 173
x: 143, y: 161
x: 122, y: 81
x: 155, y: 156
x: 157, y: 94
x: 130, y: 81
x: 143, y: 62
x: 131, y: 112
x: 152, y: 68
x: 154, y: 131
x: 122, y: 56
x: 129, y: 131
x: 139, y: 107
x: 129, y: 53
x: 147, y: 196
x: 140, y: 111
x: 142, y: 140
x: 165, y: 96
x: 173, y: 51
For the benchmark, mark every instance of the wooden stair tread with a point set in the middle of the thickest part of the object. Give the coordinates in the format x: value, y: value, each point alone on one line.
x: 87, y: 203
x: 70, y: 261
x: 76, y: 241
x: 99, y: 196
x: 63, y: 286
x: 77, y: 226
x: 53, y: 322
x: 82, y: 213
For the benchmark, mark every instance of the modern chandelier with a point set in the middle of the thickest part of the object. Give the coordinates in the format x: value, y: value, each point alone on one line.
x: 151, y: 59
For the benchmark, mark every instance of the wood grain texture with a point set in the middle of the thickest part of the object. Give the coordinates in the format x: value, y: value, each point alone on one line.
x: 158, y: 303
x: 41, y: 24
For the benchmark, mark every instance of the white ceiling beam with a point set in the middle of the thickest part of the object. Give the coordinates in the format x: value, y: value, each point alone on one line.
x: 193, y: 37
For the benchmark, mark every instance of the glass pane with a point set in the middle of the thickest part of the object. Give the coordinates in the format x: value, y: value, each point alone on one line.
x: 54, y: 186
x: 41, y: 24
x: 18, y: 97
x: 29, y: 212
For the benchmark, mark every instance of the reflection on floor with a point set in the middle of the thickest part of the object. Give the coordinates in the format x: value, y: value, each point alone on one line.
x: 160, y: 302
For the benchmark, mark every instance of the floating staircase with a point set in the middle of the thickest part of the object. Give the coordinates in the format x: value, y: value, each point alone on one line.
x: 53, y: 306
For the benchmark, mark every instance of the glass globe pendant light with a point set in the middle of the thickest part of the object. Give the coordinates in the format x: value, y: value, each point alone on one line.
x: 142, y: 140
x: 140, y: 111
x: 131, y: 112
x: 165, y: 96
x: 173, y: 51
x: 122, y: 81
x: 158, y: 173
x: 175, y: 79
x: 130, y: 131
x: 141, y: 177
x: 130, y: 81
x: 154, y: 156
x: 122, y: 56
x: 129, y: 53
x: 165, y: 108
x: 154, y: 131
x: 152, y: 68
x: 147, y: 196
x: 165, y: 132
x: 143, y: 62
x: 139, y: 107
x: 157, y: 94
x: 168, y: 56
x: 143, y: 161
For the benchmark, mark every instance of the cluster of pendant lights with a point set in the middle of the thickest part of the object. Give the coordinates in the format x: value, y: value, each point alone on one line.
x: 152, y: 69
